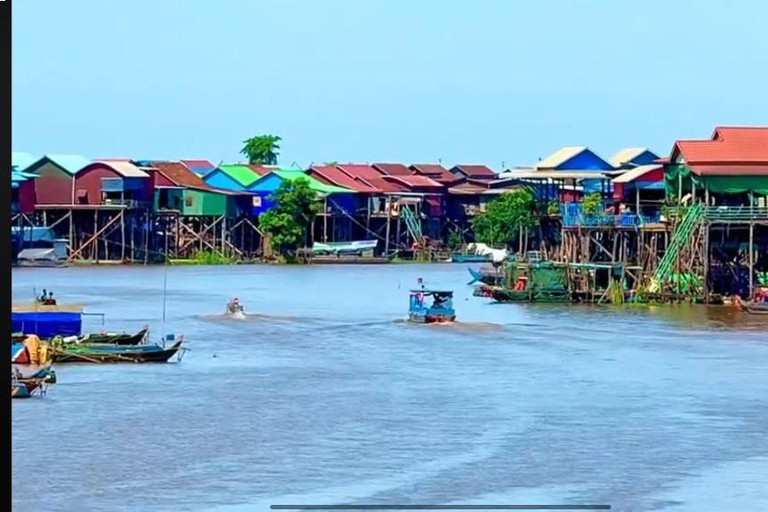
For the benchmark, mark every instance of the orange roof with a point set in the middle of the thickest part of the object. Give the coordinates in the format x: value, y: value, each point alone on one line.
x: 729, y: 145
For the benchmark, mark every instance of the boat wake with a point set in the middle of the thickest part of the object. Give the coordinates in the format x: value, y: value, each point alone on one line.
x: 456, y: 325
x: 242, y: 317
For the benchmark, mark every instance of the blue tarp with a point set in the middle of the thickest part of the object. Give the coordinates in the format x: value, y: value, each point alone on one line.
x: 33, y: 234
x: 47, y: 324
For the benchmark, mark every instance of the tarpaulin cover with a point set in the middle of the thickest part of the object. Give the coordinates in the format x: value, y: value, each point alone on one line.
x: 47, y: 324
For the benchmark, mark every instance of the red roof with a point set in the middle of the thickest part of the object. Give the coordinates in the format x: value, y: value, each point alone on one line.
x: 740, y: 132
x: 732, y: 150
x: 393, y: 169
x: 386, y: 186
x: 360, y: 171
x: 180, y: 175
x: 735, y: 151
x: 435, y: 171
x: 201, y: 164
x: 335, y: 176
x: 415, y: 182
x: 476, y: 171
x: 183, y: 176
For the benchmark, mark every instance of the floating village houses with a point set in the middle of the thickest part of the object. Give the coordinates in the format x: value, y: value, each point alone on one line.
x: 698, y: 209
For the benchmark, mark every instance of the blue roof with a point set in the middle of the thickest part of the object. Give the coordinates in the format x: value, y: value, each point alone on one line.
x: 20, y: 177
x: 22, y: 160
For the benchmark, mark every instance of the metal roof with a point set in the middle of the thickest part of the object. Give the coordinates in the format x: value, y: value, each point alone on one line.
x: 415, y: 181
x: 314, y: 184
x: 476, y: 171
x: 556, y: 175
x: 626, y: 155
x: 435, y: 171
x: 70, y: 163
x: 364, y: 171
x: 560, y: 156
x: 393, y: 169
x: 124, y: 169
x: 731, y: 145
x: 242, y: 174
x: 638, y: 172
x: 334, y: 176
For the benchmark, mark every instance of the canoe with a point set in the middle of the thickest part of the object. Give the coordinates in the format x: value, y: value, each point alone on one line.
x: 92, y: 353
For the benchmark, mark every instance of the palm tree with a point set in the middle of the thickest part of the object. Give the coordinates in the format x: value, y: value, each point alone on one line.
x: 262, y: 149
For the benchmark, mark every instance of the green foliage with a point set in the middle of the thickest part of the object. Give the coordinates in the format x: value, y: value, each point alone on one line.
x: 500, y: 223
x: 262, y: 149
x: 592, y: 204
x: 287, y: 223
x: 209, y: 257
x: 455, y: 239
x: 553, y: 208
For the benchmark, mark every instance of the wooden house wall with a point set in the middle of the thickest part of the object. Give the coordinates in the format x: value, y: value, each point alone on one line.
x: 53, y: 185
x: 89, y: 180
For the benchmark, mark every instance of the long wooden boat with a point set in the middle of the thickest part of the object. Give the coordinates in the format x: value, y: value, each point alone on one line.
x: 106, y: 353
x: 116, y: 338
x: 99, y: 338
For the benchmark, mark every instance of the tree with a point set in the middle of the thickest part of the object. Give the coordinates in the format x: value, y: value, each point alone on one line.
x: 287, y: 223
x: 262, y: 149
x: 505, y: 218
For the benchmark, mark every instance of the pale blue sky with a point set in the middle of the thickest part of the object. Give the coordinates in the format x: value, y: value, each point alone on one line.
x: 481, y: 81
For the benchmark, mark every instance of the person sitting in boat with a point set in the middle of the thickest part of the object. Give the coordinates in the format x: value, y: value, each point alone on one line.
x: 42, y: 296
x: 49, y: 301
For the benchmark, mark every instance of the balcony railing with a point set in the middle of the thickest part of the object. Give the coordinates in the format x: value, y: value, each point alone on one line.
x: 574, y: 216
x: 736, y: 213
x: 726, y: 213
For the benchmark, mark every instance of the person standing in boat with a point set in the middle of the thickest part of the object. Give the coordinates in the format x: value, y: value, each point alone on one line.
x: 42, y: 296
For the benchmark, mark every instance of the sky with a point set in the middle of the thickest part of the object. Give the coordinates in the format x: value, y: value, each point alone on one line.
x: 499, y: 82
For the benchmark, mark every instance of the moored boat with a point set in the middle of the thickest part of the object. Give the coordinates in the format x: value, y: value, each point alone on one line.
x: 752, y: 307
x: 24, y: 389
x: 98, y: 337
x: 439, y: 311
x: 110, y: 353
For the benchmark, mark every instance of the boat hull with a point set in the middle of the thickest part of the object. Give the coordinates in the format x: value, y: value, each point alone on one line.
x: 430, y: 319
x: 115, y: 354
x: 23, y: 388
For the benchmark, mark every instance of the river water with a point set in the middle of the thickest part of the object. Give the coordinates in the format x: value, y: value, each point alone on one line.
x: 324, y: 395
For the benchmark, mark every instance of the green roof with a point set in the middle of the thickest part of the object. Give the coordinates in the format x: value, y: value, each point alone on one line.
x: 314, y: 184
x: 240, y: 173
